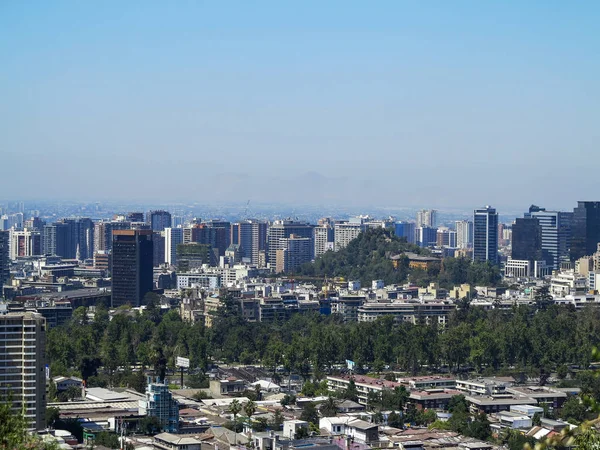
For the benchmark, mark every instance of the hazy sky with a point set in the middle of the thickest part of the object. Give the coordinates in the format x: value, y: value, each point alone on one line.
x: 378, y: 103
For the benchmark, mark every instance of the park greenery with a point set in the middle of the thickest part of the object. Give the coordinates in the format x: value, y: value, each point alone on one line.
x: 525, y: 340
x: 367, y: 258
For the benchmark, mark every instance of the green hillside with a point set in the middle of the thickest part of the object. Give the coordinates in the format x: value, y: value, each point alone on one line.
x: 367, y: 258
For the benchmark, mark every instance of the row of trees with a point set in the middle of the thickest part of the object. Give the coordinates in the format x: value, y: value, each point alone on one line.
x: 524, y: 339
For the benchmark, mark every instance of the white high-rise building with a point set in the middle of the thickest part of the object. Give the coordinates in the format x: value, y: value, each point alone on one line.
x: 173, y: 237
x: 22, y: 364
x: 25, y: 243
x: 323, y: 239
x: 464, y: 233
x: 427, y: 218
x: 345, y: 232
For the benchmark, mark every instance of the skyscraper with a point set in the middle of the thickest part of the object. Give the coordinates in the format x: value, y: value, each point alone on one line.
x: 427, y: 218
x: 464, y: 233
x: 485, y: 235
x: 251, y: 237
x: 173, y: 237
x: 132, y: 274
x: 295, y: 252
x: 556, y: 234
x: 405, y: 230
x: 22, y: 368
x: 527, y: 240
x: 67, y: 237
x: 426, y: 236
x: 25, y: 242
x: 4, y: 259
x: 586, y: 229
x: 135, y: 217
x: 324, y: 237
x: 103, y: 232
x: 158, y: 220
x: 281, y: 229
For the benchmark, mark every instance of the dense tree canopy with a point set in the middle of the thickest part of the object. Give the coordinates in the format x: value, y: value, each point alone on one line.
x: 367, y: 258
x: 520, y: 339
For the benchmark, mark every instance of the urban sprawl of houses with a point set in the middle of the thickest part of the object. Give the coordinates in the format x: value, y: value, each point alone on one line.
x: 49, y: 268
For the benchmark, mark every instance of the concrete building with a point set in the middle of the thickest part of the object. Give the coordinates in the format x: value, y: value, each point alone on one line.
x: 324, y: 239
x: 173, y: 237
x: 26, y: 242
x: 251, y: 236
x: 295, y: 251
x: 169, y: 441
x: 345, y: 232
x: 406, y: 230
x: 132, y: 274
x: 364, y: 385
x: 22, y: 371
x: 103, y: 232
x: 527, y: 240
x: 426, y: 236
x: 427, y: 218
x: 485, y: 235
x: 4, y: 259
x: 158, y: 220
x: 556, y: 227
x: 585, y: 229
x: 283, y: 229
x: 464, y: 233
x: 159, y: 403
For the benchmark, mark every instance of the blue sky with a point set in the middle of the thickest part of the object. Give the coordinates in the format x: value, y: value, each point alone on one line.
x: 377, y: 103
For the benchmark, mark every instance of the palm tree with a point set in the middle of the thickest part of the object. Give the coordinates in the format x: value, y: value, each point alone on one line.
x: 250, y: 409
x: 235, y: 408
x: 329, y: 408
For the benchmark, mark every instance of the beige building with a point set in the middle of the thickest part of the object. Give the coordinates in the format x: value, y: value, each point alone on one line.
x: 22, y: 364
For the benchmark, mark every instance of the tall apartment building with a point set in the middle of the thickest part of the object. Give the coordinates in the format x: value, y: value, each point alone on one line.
x: 132, y: 273
x: 295, y: 252
x: 158, y: 220
x: 159, y: 403
x: 251, y: 236
x: 158, y: 244
x: 464, y: 233
x: 485, y: 235
x: 22, y: 365
x: 4, y: 259
x: 427, y: 218
x: 282, y: 229
x: 346, y: 232
x: 103, y: 232
x: 585, y: 229
x: 68, y: 238
x: 446, y: 237
x: 406, y: 230
x: 324, y: 239
x: 556, y: 234
x: 173, y: 237
x: 34, y: 223
x: 426, y: 236
x: 134, y: 217
x: 25, y: 242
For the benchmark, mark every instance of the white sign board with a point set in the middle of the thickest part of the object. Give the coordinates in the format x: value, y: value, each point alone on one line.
x: 182, y: 362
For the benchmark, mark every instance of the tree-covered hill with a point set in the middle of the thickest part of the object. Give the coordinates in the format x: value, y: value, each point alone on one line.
x: 367, y: 258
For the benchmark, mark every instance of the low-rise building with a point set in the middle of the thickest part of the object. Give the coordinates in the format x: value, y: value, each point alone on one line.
x: 168, y: 441
x: 363, y: 384
x: 229, y: 386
